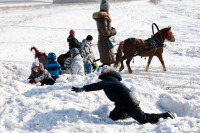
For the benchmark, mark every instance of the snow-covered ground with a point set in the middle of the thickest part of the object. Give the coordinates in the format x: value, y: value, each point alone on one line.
x: 56, y: 109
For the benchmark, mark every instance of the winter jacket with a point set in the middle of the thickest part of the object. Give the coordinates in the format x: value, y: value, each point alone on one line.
x: 40, y: 76
x: 105, y: 31
x: 53, y: 67
x: 67, y: 65
x: 73, y: 42
x: 114, y: 89
x: 77, y: 65
x: 86, y: 52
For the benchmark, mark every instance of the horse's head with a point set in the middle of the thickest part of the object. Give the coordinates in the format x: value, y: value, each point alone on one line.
x: 168, y: 34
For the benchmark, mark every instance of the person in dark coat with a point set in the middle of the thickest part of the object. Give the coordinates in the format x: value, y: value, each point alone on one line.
x: 39, y: 74
x: 105, y: 31
x: 126, y: 104
x: 73, y: 42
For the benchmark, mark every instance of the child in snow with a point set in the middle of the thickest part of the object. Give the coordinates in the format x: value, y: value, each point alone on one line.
x: 126, y: 104
x: 42, y: 57
x: 73, y: 42
x: 87, y: 54
x: 39, y: 74
x: 52, y: 66
x: 76, y: 62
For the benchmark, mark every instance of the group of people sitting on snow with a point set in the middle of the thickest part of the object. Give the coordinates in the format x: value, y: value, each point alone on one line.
x: 78, y: 60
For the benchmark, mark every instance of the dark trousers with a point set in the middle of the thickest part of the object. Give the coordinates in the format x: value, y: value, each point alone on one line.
x: 55, y: 77
x: 48, y: 81
x: 120, y: 112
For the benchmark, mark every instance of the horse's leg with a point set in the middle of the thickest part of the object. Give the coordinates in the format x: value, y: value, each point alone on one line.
x: 128, y: 65
x: 148, y: 63
x: 162, y: 61
x: 122, y: 65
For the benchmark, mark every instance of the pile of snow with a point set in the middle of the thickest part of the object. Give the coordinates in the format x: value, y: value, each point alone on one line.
x: 34, y: 108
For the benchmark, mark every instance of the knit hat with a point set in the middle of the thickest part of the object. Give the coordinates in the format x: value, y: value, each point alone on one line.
x: 89, y: 37
x: 104, y: 68
x: 104, y: 5
x: 74, y: 51
x: 35, y: 64
x: 71, y: 32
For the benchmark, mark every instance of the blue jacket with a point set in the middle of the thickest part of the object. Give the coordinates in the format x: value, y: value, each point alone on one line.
x: 53, y: 67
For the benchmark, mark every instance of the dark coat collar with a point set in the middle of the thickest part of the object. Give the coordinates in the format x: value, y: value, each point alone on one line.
x: 111, y: 74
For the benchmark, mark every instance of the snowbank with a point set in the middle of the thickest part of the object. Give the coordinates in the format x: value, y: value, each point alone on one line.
x: 34, y: 108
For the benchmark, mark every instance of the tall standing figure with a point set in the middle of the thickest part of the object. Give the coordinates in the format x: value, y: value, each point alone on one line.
x: 105, y: 31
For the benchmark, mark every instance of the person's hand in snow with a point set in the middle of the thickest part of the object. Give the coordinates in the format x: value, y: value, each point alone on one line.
x: 77, y: 89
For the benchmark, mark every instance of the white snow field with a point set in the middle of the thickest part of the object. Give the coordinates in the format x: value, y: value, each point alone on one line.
x: 56, y: 109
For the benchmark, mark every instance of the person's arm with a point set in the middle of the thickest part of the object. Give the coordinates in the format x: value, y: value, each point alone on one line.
x: 59, y: 68
x: 104, y: 28
x: 75, y: 67
x: 91, y: 87
x: 31, y: 76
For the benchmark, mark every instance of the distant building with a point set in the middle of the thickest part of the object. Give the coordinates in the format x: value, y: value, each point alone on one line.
x: 78, y: 1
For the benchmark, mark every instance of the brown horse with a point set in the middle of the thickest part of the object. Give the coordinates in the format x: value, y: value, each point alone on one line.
x: 133, y: 46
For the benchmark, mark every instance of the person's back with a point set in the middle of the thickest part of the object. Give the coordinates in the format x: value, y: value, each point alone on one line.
x: 67, y: 66
x: 115, y: 90
x: 73, y: 42
x: 53, y: 66
x: 77, y: 62
x: 87, y: 54
x: 103, y: 21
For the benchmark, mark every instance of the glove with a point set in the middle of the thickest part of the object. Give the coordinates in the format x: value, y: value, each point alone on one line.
x: 31, y: 81
x: 77, y: 89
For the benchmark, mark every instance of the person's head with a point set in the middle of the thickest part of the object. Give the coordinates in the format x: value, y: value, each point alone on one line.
x: 89, y: 38
x: 74, y: 52
x: 105, y: 69
x: 35, y: 67
x: 51, y: 57
x: 104, y: 6
x: 72, y: 32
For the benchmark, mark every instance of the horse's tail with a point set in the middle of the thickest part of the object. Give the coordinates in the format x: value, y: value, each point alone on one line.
x: 38, y: 53
x: 119, y: 54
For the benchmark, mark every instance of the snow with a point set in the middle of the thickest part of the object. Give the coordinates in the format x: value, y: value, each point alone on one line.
x: 34, y: 108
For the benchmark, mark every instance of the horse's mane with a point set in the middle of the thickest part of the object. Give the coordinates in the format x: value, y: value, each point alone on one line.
x: 163, y: 32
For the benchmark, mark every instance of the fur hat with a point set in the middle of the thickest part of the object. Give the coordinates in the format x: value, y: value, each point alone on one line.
x: 74, y: 51
x: 35, y: 64
x: 104, y: 68
x: 104, y: 5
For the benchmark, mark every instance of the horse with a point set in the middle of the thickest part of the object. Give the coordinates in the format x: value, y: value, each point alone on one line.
x: 145, y: 48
